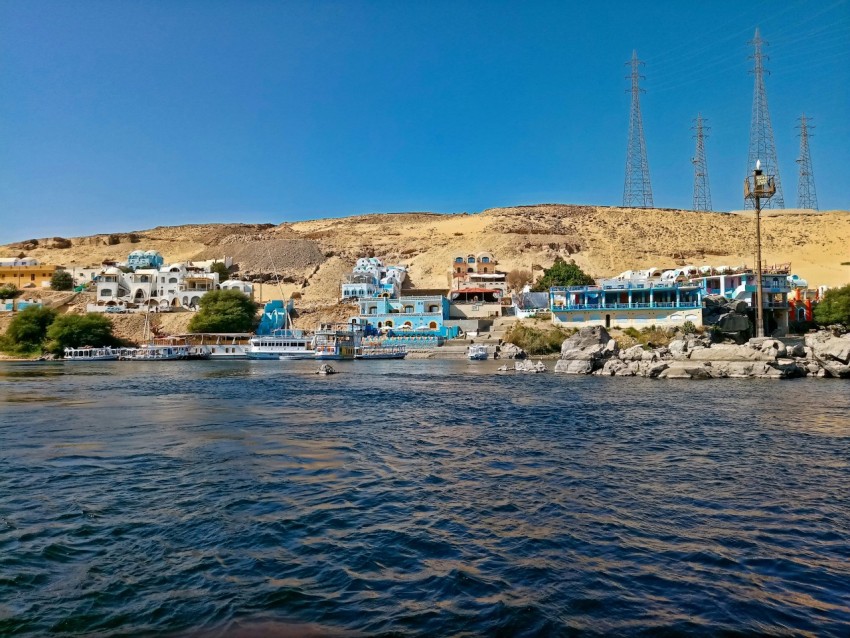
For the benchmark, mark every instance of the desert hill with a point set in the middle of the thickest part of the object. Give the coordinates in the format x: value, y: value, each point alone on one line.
x: 311, y: 256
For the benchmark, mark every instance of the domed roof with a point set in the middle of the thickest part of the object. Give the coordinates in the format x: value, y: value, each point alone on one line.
x: 137, y: 253
x: 112, y: 270
x: 152, y: 253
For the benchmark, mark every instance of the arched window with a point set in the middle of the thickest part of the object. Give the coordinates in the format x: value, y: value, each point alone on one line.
x: 389, y: 323
x: 458, y: 260
x: 434, y: 308
x: 485, y: 268
x: 433, y: 325
x: 172, y: 280
x: 470, y: 270
x: 485, y: 260
x: 470, y: 259
x: 408, y: 309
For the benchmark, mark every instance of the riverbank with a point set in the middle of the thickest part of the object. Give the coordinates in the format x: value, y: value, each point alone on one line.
x: 821, y: 354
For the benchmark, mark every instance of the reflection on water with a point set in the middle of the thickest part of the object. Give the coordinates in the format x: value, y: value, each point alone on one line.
x: 417, y: 497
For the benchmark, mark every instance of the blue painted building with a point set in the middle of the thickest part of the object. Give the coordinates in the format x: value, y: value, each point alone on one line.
x: 407, y: 318
x: 275, y: 316
x: 634, y: 299
x: 145, y: 259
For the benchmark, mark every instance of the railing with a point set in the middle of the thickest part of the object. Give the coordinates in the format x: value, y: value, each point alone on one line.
x: 626, y: 306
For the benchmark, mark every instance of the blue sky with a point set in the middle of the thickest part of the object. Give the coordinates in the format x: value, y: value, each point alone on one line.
x: 119, y: 115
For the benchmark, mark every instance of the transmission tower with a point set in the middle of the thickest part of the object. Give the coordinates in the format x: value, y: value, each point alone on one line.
x: 702, y: 193
x: 637, y: 191
x: 806, y: 195
x: 761, y: 132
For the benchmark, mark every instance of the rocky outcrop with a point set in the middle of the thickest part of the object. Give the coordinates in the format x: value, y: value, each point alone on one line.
x: 728, y: 316
x: 510, y: 351
x: 830, y: 352
x: 586, y: 351
x: 590, y: 351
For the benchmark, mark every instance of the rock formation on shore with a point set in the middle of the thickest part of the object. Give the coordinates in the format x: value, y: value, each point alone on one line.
x: 593, y: 351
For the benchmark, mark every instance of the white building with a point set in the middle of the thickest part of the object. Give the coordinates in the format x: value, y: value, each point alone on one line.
x: 244, y: 287
x: 169, y: 287
x: 371, y: 278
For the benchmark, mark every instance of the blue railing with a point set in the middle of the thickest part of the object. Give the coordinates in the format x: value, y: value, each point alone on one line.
x: 626, y: 306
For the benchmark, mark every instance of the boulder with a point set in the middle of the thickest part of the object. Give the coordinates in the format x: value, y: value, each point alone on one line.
x: 511, y: 351
x: 656, y: 369
x: 734, y: 322
x: 574, y: 366
x: 730, y: 352
x: 586, y: 351
x: 678, y: 348
x: 686, y: 370
x: 713, y: 301
x: 585, y: 338
x: 611, y: 367
x: 635, y: 353
x: 831, y: 352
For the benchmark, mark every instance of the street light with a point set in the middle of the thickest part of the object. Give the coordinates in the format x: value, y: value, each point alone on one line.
x: 757, y: 187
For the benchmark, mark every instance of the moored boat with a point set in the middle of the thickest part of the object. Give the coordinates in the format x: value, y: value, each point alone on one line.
x: 478, y: 352
x: 376, y: 351
x: 336, y: 343
x: 283, y: 345
x: 89, y: 353
x: 153, y: 352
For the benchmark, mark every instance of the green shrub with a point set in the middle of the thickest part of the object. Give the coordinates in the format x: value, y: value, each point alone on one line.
x: 689, y: 328
x: 537, y: 341
x: 224, y: 311
x: 222, y: 270
x: 562, y: 273
x: 834, y: 307
x: 8, y: 291
x: 75, y: 331
x: 62, y: 280
x: 27, y: 331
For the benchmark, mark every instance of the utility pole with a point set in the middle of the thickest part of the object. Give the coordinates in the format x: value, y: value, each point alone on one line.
x: 762, y: 147
x: 806, y: 195
x: 756, y: 188
x: 637, y: 191
x: 702, y: 193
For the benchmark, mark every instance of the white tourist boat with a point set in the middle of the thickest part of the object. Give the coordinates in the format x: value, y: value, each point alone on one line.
x: 377, y: 351
x: 152, y: 352
x: 478, y: 352
x: 89, y: 353
x: 336, y: 343
x: 283, y: 345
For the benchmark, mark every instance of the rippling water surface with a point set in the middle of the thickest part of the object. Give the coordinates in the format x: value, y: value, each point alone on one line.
x: 418, y: 498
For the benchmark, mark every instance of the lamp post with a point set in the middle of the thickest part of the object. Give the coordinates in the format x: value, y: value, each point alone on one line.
x: 757, y: 187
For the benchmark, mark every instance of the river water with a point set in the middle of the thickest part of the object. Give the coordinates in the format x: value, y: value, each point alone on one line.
x: 421, y: 498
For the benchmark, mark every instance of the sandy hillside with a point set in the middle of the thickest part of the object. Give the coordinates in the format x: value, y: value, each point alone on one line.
x: 311, y: 256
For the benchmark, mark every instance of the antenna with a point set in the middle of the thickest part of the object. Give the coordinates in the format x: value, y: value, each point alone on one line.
x: 806, y: 195
x: 702, y: 192
x: 762, y: 146
x: 637, y: 191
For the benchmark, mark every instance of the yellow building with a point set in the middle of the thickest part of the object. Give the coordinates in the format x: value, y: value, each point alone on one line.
x: 25, y: 273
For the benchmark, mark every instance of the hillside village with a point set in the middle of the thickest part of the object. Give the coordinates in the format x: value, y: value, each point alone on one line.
x: 312, y: 259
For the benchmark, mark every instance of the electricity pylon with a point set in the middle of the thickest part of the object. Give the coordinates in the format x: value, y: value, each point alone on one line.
x: 637, y: 191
